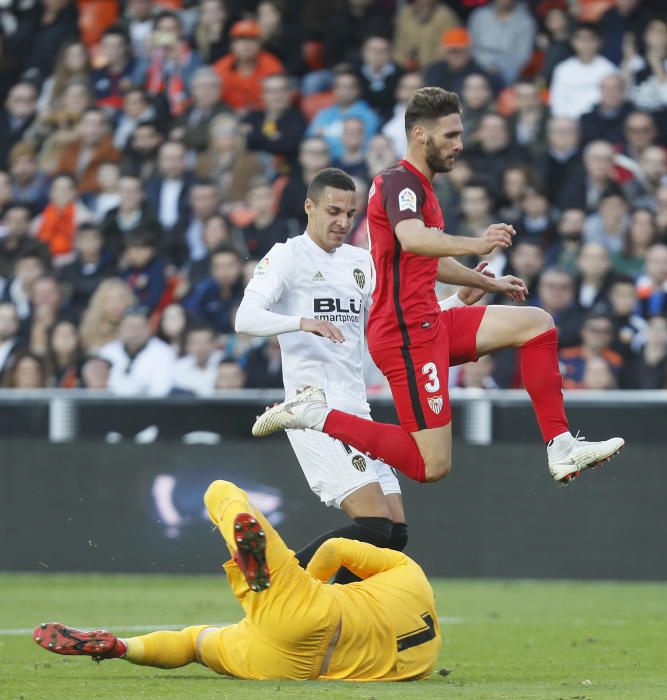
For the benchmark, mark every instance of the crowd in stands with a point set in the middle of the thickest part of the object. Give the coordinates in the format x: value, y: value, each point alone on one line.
x: 152, y: 152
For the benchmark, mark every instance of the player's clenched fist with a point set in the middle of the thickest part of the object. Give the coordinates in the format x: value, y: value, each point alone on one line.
x: 322, y: 328
x: 496, y: 236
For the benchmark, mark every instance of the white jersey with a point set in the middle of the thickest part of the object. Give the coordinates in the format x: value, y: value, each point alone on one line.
x: 300, y: 279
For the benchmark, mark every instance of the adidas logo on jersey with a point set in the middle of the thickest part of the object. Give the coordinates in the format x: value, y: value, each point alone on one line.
x: 318, y: 277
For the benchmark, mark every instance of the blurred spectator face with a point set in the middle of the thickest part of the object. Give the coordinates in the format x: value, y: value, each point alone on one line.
x: 571, y: 225
x: 475, y: 202
x: 563, y: 134
x: 230, y: 376
x: 556, y: 21
x: 92, y: 128
x: 527, y: 97
x: 655, y: 36
x: 476, y: 91
x: 379, y: 154
x: 76, y: 98
x: 623, y: 298
x: 642, y: 230
x: 206, y: 88
x: 527, y: 260
x: 376, y: 52
x: 535, y: 204
x: 407, y: 86
x: 16, y: 222
x: 260, y: 200
x: 656, y: 264
x: 269, y: 18
x: 515, y: 182
x: 597, y: 334
x: 477, y: 374
x: 21, y: 101
x: 353, y: 134
x: 248, y: 270
x: 88, y: 243
x: 612, y: 209
x: 171, y: 160
x: 593, y: 262
x: 116, y: 302
x: 27, y: 270
x: 216, y: 231
x: 246, y: 49
x: 313, y: 154
x: 346, y: 89
x: 493, y: 133
x: 598, y: 374
x: 169, y: 25
x: 556, y: 290
x: 639, y: 130
x: 140, y: 9
x: 200, y: 344
x: 586, y: 44
x: 145, y: 139
x: 653, y: 162
x: 95, y: 373
x: 114, y: 48
x: 29, y: 373
x: 131, y: 193
x: 225, y: 269
x: 134, y: 103
x: 612, y: 89
x: 213, y: 13
x: 107, y: 177
x: 135, y: 332
x: 62, y: 192
x: 362, y: 194
x: 139, y: 255
x: 204, y: 200
x: 173, y: 321
x: 460, y: 173
x: 9, y: 321
x: 75, y: 57
x: 23, y: 169
x: 276, y: 93
x: 46, y: 293
x: 225, y: 133
x: 599, y: 161
x: 64, y: 339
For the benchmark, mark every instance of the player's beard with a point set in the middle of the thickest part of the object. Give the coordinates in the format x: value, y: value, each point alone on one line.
x: 434, y: 160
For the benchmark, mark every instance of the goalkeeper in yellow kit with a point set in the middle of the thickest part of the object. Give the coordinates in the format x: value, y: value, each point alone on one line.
x: 383, y: 628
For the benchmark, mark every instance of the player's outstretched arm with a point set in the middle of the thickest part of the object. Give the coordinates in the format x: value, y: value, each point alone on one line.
x: 361, y: 558
x: 479, y: 281
x: 419, y: 239
x: 254, y: 318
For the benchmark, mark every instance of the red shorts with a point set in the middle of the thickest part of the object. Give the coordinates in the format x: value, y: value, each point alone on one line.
x: 418, y: 375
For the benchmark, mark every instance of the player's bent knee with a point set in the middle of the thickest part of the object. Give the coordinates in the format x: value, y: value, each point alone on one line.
x: 542, y: 320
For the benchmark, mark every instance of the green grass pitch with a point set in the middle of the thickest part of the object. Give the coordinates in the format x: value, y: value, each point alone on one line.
x: 516, y: 639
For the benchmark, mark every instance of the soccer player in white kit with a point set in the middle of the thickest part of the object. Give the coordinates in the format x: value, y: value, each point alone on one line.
x: 319, y: 285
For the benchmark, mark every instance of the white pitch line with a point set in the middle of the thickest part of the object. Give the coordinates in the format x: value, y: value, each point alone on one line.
x: 156, y: 628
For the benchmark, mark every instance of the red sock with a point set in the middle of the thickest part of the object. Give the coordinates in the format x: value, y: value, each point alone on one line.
x: 384, y: 441
x: 544, y: 383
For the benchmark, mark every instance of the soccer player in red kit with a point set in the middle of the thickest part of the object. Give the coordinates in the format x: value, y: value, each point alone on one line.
x: 414, y: 341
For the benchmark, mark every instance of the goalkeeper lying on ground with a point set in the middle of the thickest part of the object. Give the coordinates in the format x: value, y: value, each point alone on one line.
x: 384, y: 627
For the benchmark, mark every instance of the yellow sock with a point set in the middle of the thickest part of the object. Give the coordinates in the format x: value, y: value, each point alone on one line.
x: 164, y: 649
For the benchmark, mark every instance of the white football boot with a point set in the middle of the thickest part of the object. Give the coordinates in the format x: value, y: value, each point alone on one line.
x: 308, y: 409
x: 569, y: 455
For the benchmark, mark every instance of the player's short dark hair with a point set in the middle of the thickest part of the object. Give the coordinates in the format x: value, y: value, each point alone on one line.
x: 329, y: 177
x: 429, y: 104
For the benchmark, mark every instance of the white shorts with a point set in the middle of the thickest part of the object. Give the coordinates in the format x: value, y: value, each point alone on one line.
x: 335, y: 470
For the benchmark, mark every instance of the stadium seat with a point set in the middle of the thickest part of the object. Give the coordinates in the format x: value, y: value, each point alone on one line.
x: 313, y: 54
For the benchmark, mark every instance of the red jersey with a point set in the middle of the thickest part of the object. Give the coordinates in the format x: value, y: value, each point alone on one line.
x: 405, y: 307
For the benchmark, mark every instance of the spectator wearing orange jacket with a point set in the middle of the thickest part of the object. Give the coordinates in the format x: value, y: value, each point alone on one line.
x: 243, y: 69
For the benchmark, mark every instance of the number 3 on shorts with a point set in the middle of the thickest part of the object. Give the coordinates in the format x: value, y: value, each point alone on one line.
x: 433, y: 383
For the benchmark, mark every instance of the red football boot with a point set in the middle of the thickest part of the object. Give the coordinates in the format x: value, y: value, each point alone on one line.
x: 250, y: 554
x: 60, y: 639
